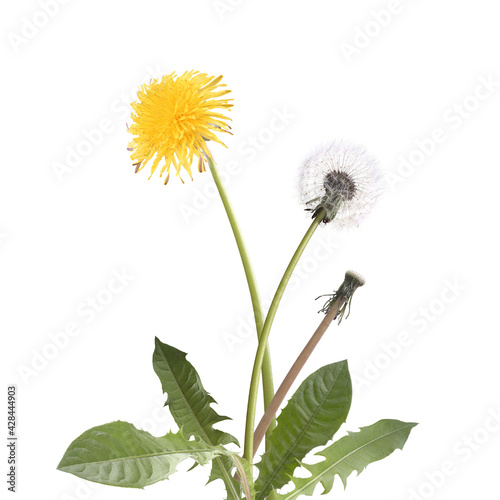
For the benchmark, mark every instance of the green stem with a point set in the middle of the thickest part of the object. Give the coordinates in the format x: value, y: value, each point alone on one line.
x: 259, y: 357
x: 267, y: 373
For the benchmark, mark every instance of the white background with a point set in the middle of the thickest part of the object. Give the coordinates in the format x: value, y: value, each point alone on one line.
x: 63, y: 236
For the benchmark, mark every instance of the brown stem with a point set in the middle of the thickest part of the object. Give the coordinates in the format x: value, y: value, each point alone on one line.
x: 294, y: 371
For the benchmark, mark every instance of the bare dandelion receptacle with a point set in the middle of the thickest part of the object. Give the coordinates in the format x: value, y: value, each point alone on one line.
x: 351, y: 283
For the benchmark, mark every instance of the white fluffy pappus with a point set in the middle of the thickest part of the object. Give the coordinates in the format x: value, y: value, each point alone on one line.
x: 343, y: 179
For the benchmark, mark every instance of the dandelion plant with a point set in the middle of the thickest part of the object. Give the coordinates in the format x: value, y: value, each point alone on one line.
x: 173, y: 119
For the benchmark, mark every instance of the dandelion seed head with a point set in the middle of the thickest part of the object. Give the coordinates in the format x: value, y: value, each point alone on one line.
x: 343, y: 179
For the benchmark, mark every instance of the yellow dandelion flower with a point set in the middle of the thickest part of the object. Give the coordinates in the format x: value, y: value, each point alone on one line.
x: 173, y: 119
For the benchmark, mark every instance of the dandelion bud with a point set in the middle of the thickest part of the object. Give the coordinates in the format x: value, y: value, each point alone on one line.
x: 342, y: 180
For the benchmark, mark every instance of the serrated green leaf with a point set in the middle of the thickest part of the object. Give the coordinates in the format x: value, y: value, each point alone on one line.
x: 189, y: 404
x: 119, y: 454
x: 244, y: 467
x: 222, y: 468
x: 353, y: 452
x: 310, y: 419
